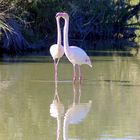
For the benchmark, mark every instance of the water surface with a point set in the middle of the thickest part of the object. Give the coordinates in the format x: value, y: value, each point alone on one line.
x: 106, y: 106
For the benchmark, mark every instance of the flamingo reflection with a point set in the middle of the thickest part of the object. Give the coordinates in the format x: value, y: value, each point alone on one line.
x: 57, y: 110
x: 76, y: 112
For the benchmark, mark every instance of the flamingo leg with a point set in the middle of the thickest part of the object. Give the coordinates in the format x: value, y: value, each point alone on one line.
x: 80, y: 76
x: 56, y: 71
x: 74, y: 72
x: 57, y: 61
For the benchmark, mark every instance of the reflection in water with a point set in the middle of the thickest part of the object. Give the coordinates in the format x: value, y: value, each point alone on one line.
x: 27, y: 90
x: 57, y: 110
x: 76, y: 112
x: 5, y: 84
x: 6, y: 78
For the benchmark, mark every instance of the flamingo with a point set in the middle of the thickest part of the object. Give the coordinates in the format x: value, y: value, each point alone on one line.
x: 74, y: 54
x: 57, y: 50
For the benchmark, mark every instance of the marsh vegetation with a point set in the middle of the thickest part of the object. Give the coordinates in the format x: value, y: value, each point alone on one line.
x: 27, y: 26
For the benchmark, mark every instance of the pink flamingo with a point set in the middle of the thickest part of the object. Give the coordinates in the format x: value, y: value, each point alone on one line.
x: 74, y: 54
x: 57, y: 50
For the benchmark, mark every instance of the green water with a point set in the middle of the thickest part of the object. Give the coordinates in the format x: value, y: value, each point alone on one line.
x: 106, y: 106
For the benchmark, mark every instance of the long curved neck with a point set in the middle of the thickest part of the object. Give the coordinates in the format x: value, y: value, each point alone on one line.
x: 58, y: 31
x: 66, y: 28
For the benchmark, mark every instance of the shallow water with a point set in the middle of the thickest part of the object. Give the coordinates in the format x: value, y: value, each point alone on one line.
x: 105, y: 106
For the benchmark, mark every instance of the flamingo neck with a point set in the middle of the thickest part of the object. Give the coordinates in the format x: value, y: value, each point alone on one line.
x: 58, y: 32
x: 66, y: 28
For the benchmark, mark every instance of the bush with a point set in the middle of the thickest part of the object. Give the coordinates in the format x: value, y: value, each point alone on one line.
x: 25, y: 24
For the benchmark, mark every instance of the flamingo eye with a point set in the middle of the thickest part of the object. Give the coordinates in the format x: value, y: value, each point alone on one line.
x: 86, y: 60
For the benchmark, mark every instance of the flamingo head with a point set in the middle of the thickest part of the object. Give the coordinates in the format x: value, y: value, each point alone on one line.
x: 88, y: 62
x: 63, y: 15
x: 57, y: 17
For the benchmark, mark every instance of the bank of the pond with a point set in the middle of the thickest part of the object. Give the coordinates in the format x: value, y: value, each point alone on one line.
x: 93, y: 48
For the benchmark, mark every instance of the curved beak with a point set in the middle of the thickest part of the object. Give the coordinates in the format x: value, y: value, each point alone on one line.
x: 59, y: 14
x: 90, y: 65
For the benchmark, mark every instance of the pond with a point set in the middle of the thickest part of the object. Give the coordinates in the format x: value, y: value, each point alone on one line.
x: 105, y: 106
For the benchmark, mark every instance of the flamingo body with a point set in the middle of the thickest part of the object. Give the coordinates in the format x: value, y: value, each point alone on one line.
x: 77, y: 56
x: 56, y: 51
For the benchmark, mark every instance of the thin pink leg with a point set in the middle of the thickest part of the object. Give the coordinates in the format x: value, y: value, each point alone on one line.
x: 58, y: 61
x: 79, y: 70
x: 55, y: 68
x: 74, y: 72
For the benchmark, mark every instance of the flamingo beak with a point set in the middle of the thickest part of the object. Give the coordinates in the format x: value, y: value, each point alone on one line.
x: 90, y: 65
x: 59, y: 14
